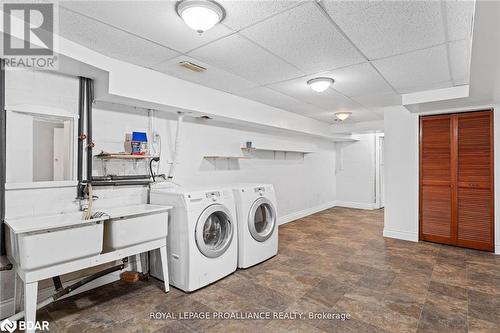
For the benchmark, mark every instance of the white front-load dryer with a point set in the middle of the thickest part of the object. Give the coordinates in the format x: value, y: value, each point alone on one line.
x: 257, y: 223
x: 202, y: 237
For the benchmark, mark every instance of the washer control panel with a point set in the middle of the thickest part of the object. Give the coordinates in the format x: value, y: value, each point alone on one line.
x: 213, y: 195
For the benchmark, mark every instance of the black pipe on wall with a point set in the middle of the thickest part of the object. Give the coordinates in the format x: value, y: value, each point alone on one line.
x: 3, y: 145
x: 90, y: 144
x: 80, y: 134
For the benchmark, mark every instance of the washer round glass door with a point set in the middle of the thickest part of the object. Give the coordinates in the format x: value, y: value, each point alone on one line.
x: 214, y: 231
x: 262, y: 219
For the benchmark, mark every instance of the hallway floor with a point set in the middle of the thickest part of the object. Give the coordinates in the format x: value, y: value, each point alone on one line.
x: 335, y: 261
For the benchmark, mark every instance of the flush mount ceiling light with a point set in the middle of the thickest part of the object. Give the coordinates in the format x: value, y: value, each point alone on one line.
x: 320, y: 84
x: 342, y: 115
x: 200, y: 15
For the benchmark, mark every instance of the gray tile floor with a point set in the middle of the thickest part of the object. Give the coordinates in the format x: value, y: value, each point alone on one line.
x: 334, y: 261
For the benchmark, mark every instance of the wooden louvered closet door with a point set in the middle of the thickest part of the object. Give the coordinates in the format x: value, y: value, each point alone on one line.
x: 456, y: 179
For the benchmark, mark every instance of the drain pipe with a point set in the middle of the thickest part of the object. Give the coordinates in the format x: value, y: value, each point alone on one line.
x: 171, y: 172
x: 90, y: 144
x: 81, y: 135
x: 4, y: 262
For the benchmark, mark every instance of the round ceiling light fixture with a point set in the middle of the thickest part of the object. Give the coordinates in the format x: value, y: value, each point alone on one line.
x: 200, y: 15
x: 320, y: 84
x: 342, y: 115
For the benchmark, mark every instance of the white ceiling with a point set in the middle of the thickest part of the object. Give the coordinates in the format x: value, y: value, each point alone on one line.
x: 266, y: 50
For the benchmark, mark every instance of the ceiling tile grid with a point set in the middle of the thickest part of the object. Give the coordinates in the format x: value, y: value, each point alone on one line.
x: 242, y: 57
x: 241, y: 14
x: 274, y: 98
x: 416, y: 70
x: 359, y: 79
x: 267, y: 50
x: 390, y: 27
x: 111, y: 42
x: 153, y: 20
x: 213, y: 77
x: 306, y: 38
x: 326, y: 100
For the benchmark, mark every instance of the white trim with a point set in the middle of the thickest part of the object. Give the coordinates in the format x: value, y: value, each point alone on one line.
x: 48, y: 184
x: 305, y: 212
x: 497, y: 249
x: 403, y: 235
x: 379, y: 159
x: 7, y: 305
x: 356, y: 205
x: 41, y: 110
x: 435, y: 95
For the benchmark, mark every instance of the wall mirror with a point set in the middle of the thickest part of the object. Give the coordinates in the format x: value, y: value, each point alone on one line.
x: 44, y: 151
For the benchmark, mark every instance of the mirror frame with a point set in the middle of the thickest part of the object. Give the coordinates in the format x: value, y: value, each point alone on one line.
x: 43, y: 110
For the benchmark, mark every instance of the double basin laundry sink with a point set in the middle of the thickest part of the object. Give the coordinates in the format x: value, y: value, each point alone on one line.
x: 41, y: 241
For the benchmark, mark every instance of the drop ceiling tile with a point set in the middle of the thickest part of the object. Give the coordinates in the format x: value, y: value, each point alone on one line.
x: 239, y: 56
x: 378, y: 99
x: 213, y: 77
x: 305, y: 37
x: 390, y: 27
x: 279, y: 100
x: 459, y: 15
x: 359, y: 80
x: 153, y: 20
x: 329, y: 100
x: 111, y: 42
x: 459, y: 60
x: 240, y: 14
x: 415, y: 71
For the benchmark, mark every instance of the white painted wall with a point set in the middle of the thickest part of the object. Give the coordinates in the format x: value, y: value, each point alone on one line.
x: 401, y: 173
x: 304, y: 184
x: 356, y: 178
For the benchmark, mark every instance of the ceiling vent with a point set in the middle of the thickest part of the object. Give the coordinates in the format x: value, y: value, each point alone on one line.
x: 192, y: 67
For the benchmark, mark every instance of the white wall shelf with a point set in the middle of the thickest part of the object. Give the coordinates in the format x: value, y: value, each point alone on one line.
x: 252, y: 149
x: 226, y: 157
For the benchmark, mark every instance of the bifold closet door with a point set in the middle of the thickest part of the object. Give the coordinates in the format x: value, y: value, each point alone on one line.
x: 436, y: 179
x: 456, y: 179
x: 475, y: 180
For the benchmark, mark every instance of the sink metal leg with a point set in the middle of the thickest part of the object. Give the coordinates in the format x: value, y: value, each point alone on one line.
x: 144, y: 262
x: 18, y: 292
x: 164, y: 265
x: 30, y: 299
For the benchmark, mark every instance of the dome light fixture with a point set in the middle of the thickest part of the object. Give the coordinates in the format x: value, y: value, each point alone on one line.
x: 342, y: 115
x: 320, y: 84
x: 200, y: 15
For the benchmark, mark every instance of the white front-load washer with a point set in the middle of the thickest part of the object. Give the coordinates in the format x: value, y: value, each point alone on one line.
x: 257, y: 223
x: 202, y: 237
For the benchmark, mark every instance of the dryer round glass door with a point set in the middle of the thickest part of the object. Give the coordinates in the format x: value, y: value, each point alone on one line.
x: 214, y: 231
x: 262, y: 219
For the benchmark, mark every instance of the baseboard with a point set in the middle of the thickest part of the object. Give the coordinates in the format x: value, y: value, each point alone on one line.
x: 305, y: 212
x: 497, y: 249
x: 7, y: 306
x: 408, y: 236
x: 357, y: 205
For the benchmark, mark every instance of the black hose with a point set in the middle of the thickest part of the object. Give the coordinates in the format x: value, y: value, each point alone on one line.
x: 155, y: 159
